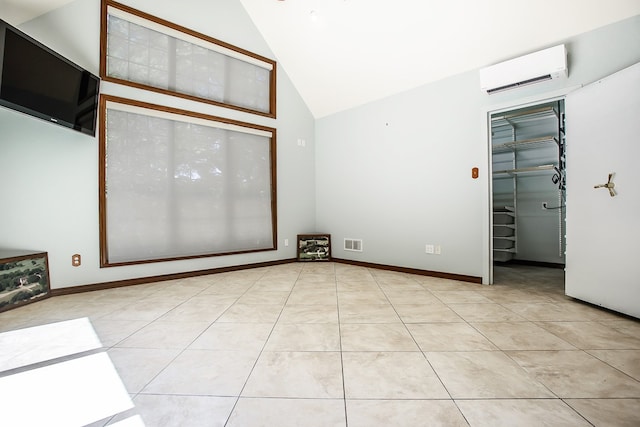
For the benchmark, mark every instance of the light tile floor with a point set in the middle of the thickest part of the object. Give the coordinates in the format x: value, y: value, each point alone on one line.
x: 326, y: 344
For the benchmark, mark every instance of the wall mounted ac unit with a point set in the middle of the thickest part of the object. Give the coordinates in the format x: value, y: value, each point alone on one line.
x: 536, y: 67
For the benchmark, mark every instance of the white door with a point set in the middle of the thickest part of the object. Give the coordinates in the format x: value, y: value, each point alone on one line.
x: 603, y: 232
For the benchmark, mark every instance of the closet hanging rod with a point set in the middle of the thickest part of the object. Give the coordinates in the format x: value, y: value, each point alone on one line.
x: 544, y: 206
x: 526, y: 142
x: 528, y: 169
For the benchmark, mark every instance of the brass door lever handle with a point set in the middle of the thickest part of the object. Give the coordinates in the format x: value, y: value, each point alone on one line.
x: 609, y: 185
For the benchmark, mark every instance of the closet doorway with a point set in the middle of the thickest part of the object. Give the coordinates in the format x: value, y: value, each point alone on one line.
x: 528, y: 190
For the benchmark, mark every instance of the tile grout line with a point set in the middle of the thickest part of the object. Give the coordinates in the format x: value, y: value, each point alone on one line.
x: 344, y: 386
x: 420, y: 349
x: 185, y: 347
x: 235, y: 404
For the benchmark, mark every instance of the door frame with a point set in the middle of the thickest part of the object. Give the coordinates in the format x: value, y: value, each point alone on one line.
x: 487, y: 112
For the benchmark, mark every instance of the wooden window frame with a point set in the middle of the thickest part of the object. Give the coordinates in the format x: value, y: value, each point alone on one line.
x: 239, y: 53
x: 104, y: 253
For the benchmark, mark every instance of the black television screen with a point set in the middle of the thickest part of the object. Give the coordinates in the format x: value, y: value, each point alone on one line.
x: 37, y: 81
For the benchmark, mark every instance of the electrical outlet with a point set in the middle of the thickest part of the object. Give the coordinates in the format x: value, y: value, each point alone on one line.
x: 438, y: 250
x: 76, y: 260
x: 286, y: 242
x: 429, y: 249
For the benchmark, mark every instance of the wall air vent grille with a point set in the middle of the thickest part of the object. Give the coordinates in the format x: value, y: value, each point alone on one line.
x: 353, y: 245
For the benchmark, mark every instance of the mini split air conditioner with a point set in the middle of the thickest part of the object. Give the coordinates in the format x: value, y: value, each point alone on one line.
x: 536, y: 67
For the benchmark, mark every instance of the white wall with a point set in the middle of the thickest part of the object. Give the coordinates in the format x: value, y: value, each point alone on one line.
x: 49, y: 174
x: 397, y: 172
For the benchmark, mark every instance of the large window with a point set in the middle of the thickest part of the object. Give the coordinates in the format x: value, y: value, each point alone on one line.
x: 177, y: 184
x: 141, y: 50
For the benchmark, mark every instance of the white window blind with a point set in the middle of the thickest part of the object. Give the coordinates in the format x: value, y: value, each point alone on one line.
x: 182, y: 186
x: 157, y: 56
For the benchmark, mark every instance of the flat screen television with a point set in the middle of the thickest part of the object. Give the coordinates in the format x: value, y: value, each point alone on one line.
x: 38, y: 81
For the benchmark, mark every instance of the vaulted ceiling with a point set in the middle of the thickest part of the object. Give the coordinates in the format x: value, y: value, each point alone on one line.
x: 343, y: 53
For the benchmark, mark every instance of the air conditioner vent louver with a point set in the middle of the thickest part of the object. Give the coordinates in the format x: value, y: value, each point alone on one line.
x: 523, y: 83
x: 353, y: 245
x: 536, y: 67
